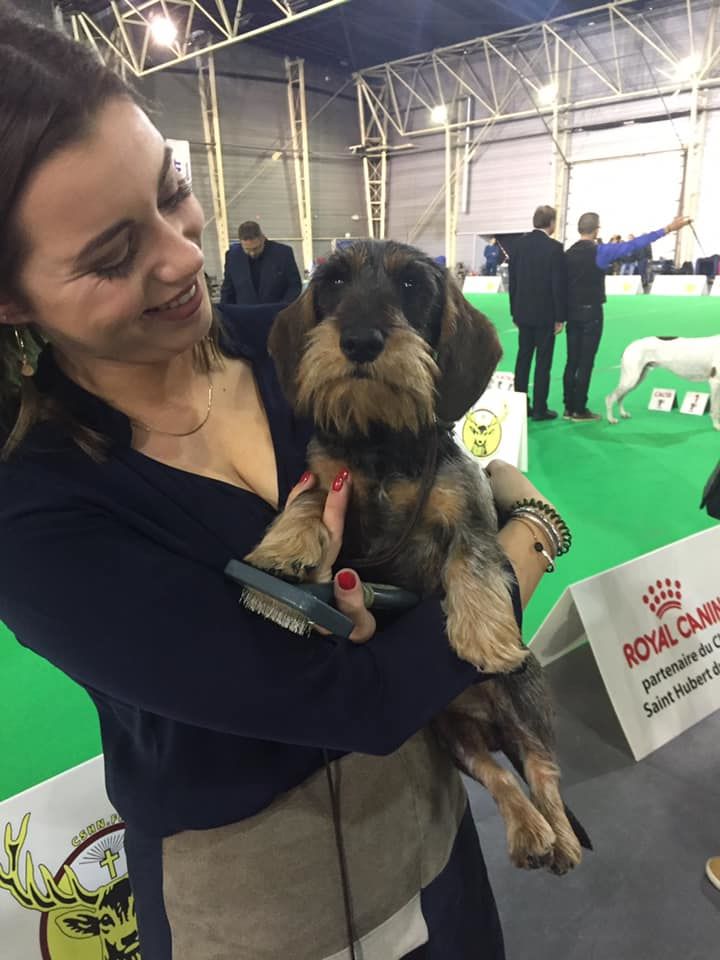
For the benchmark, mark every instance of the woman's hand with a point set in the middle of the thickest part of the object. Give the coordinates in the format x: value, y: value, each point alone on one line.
x: 509, y: 485
x: 348, y: 589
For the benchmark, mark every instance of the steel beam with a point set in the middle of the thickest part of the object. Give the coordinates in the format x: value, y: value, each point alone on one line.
x: 207, y: 87
x: 297, y: 111
x: 202, y: 26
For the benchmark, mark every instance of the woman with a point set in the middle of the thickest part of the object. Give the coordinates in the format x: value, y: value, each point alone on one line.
x: 142, y: 449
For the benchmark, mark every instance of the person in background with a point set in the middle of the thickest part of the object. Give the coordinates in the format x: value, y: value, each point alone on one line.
x: 711, y: 503
x: 538, y: 303
x: 587, y: 264
x: 258, y: 270
x: 493, y: 256
x: 628, y: 267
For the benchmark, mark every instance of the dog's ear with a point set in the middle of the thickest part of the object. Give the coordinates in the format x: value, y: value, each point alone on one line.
x: 286, y: 341
x: 468, y: 352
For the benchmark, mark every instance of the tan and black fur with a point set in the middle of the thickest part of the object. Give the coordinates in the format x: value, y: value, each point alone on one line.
x: 384, y: 354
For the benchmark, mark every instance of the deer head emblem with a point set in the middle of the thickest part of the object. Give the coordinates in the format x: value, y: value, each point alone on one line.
x: 107, y: 914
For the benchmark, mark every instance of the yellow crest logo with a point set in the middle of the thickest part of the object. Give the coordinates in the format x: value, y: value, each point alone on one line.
x: 87, y: 908
x: 482, y: 432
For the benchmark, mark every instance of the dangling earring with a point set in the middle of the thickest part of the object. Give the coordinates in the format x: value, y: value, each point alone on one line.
x: 25, y: 369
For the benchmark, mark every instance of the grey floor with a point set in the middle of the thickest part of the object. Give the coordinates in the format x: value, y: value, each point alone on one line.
x: 642, y: 895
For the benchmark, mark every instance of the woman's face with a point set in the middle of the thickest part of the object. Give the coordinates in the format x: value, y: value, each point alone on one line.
x: 113, y: 240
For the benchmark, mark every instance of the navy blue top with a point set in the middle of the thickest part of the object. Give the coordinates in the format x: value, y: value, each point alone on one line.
x: 113, y: 572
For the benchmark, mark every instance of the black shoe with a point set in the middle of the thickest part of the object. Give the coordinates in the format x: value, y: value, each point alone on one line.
x: 545, y: 415
x: 566, y: 414
x: 585, y: 416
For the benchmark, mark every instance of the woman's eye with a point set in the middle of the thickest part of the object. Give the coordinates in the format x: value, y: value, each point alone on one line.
x: 120, y: 268
x: 184, y: 190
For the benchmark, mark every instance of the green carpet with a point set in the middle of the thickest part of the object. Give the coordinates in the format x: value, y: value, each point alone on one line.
x: 624, y: 490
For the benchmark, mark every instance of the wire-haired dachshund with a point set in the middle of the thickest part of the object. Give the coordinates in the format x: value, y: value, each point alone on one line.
x: 384, y: 354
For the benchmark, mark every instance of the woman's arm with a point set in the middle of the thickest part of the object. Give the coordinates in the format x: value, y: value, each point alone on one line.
x: 124, y: 616
x: 517, y: 537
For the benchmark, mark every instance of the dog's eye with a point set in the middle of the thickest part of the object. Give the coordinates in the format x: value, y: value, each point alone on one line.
x: 408, y: 284
x: 338, y: 282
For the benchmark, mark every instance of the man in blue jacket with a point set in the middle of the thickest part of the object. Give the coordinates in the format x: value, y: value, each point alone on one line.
x: 587, y: 263
x: 258, y: 270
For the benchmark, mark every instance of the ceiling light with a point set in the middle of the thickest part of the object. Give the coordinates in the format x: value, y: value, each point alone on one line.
x: 686, y: 68
x: 276, y: 155
x: 439, y: 114
x: 163, y: 31
x: 547, y: 94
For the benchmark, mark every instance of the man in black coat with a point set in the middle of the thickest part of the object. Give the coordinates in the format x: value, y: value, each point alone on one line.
x: 538, y: 303
x: 258, y: 270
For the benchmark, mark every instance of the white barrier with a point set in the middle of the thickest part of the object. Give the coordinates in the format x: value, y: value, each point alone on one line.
x: 482, y: 285
x: 496, y: 427
x: 679, y: 285
x: 653, y: 625
x: 623, y: 286
x: 66, y: 821
x: 715, y: 287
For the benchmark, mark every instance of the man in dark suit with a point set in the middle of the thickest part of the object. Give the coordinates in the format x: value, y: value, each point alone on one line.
x: 258, y: 270
x: 538, y: 303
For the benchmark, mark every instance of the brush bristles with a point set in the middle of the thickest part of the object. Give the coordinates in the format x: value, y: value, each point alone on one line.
x: 275, y: 611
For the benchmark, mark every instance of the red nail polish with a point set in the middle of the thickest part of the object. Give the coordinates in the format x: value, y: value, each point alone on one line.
x: 305, y: 478
x: 345, y: 474
x: 338, y: 483
x: 347, y: 580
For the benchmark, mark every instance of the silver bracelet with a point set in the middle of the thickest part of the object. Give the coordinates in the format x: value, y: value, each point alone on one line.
x: 542, y: 523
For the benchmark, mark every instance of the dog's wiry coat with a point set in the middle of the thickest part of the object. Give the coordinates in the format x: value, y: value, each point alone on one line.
x: 384, y: 353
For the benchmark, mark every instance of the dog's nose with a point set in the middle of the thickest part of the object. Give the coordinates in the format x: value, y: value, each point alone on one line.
x: 361, y: 346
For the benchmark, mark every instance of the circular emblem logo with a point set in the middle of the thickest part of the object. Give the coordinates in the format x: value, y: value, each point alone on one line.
x: 482, y: 433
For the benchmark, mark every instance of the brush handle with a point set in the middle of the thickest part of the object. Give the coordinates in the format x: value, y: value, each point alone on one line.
x: 377, y: 596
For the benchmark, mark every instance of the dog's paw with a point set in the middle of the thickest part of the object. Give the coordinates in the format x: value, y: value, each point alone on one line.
x: 716, y: 425
x: 566, y: 854
x: 625, y: 415
x: 294, y: 555
x: 531, y: 841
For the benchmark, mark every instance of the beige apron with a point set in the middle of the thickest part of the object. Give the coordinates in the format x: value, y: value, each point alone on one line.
x: 269, y: 887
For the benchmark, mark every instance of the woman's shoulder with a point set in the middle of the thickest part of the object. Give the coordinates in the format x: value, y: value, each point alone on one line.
x: 245, y: 329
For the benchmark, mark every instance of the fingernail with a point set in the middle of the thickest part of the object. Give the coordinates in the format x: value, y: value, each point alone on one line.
x: 338, y: 483
x: 347, y: 580
x: 345, y: 474
x: 305, y: 478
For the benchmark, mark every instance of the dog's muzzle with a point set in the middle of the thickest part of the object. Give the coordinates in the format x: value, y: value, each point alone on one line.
x: 362, y: 346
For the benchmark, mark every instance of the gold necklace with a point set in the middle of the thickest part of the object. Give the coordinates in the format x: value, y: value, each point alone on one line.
x: 186, y: 433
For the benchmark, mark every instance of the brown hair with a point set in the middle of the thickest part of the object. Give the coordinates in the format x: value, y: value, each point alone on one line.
x: 51, y: 89
x: 544, y: 218
x: 249, y: 230
x: 588, y: 223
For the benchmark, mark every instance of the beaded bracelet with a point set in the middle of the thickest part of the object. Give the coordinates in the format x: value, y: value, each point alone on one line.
x: 541, y: 523
x: 541, y: 510
x: 538, y: 547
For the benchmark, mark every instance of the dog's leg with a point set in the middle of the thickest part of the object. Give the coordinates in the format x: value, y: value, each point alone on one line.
x: 295, y: 543
x: 481, y: 623
x: 632, y: 373
x: 530, y: 837
x: 543, y: 777
x: 715, y: 397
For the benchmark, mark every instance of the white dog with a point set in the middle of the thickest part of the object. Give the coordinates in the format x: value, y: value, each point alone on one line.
x: 694, y: 358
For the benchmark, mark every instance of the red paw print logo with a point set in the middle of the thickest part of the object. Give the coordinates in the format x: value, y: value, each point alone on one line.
x: 663, y: 595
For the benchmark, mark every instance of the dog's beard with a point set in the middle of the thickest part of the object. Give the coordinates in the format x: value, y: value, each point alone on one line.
x: 397, y: 390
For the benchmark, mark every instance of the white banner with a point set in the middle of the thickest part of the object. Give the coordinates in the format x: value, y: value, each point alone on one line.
x: 482, y: 285
x: 679, y: 285
x: 47, y: 913
x: 623, y: 286
x: 715, y: 288
x: 181, y: 157
x: 653, y: 625
x: 496, y: 428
